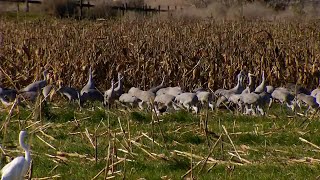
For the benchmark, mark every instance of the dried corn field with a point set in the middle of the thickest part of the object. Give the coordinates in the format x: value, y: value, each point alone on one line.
x: 95, y: 142
x: 189, y: 52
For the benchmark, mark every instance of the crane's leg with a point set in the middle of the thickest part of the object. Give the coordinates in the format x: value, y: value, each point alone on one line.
x: 246, y: 109
x: 270, y: 103
x: 141, y: 105
x: 253, y: 110
x: 196, y: 109
x: 186, y: 105
x: 307, y: 110
x: 175, y: 107
x: 211, y: 106
x: 260, y: 109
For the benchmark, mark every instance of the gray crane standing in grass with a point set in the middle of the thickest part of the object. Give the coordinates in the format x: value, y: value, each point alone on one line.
x: 250, y: 101
x: 163, y: 103
x: 89, y: 92
x: 284, y: 96
x: 118, y: 91
x: 7, y: 96
x: 257, y: 99
x: 236, y: 98
x: 247, y: 98
x: 188, y: 100
x: 30, y: 92
x: 71, y: 93
x: 110, y: 95
x: 308, y: 100
x: 146, y: 98
x: 316, y: 91
x: 223, y: 95
x: 205, y: 98
x: 38, y: 85
x: 262, y: 87
x: 48, y: 91
x: 265, y: 97
x: 235, y: 90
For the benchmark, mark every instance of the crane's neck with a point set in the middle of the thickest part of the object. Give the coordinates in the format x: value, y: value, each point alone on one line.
x: 250, y: 81
x: 162, y: 82
x: 90, y: 80
x: 112, y: 86
x: 263, y: 79
x: 45, y: 75
x: 238, y: 84
x: 90, y: 76
x: 119, y: 82
x: 27, y: 155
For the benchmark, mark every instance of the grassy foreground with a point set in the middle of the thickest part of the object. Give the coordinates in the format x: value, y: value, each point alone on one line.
x: 63, y: 140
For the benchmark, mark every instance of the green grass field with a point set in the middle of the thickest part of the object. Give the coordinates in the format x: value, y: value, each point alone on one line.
x: 135, y: 144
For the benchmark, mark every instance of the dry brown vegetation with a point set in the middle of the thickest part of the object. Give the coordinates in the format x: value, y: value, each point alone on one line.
x: 188, y: 52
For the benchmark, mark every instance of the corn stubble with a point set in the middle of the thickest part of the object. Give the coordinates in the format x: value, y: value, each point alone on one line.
x: 188, y: 52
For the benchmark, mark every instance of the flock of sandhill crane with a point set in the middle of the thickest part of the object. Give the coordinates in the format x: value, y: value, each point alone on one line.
x: 246, y: 99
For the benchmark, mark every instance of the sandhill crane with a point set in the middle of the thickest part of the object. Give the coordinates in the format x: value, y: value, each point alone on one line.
x: 71, y: 93
x: 250, y: 99
x: 47, y: 91
x: 144, y: 96
x: 188, y: 100
x: 19, y: 166
x: 205, y: 98
x: 30, y: 92
x: 90, y: 83
x: 109, y: 96
x: 89, y: 91
x: 224, y: 95
x: 163, y: 102
x: 7, y: 96
x: 231, y: 95
x: 38, y: 85
x: 316, y: 91
x: 249, y: 87
x: 284, y: 96
x: 254, y: 100
x: 265, y: 99
x: 118, y: 91
x: 235, y: 90
x: 308, y: 100
x: 236, y: 98
x: 262, y: 87
x: 128, y: 99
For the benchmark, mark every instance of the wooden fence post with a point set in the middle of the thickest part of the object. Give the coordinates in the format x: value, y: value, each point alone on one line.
x: 27, y: 5
x: 80, y: 5
x: 18, y: 7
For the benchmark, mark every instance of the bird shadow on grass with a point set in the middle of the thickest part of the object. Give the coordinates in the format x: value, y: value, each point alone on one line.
x: 181, y: 116
x: 141, y: 117
x: 192, y: 138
